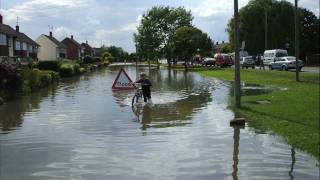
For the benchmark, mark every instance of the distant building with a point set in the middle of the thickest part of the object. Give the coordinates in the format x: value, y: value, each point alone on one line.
x: 50, y: 48
x: 87, y: 50
x: 73, y: 48
x: 218, y: 46
x: 14, y: 44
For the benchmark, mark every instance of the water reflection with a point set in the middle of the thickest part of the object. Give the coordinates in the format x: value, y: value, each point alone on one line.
x: 293, y: 161
x: 12, y: 113
x: 236, y: 141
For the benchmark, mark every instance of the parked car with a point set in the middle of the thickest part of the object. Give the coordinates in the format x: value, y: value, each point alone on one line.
x: 209, y: 61
x: 270, y: 55
x: 246, y: 62
x: 285, y: 63
x: 223, y: 60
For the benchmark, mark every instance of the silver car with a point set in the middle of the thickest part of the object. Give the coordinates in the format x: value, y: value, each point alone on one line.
x: 286, y: 63
x: 247, y: 61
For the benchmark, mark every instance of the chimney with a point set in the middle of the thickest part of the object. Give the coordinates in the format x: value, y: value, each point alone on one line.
x: 71, y: 37
x: 17, y: 28
x: 1, y: 19
x: 50, y: 34
x: 217, y: 42
x: 222, y: 42
x: 86, y: 42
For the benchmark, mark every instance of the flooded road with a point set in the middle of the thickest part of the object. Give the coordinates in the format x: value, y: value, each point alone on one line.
x: 81, y: 129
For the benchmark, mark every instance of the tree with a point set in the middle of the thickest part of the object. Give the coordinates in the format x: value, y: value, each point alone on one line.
x: 156, y: 30
x: 118, y: 53
x: 106, y: 56
x: 188, y: 41
x: 280, y: 20
x: 227, y: 48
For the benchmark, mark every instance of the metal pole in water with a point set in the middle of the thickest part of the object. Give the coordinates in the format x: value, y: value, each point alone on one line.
x: 237, y: 89
x: 296, y: 18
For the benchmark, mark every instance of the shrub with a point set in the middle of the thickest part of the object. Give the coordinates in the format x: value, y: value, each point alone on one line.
x: 35, y: 79
x: 91, y: 60
x: 10, y: 76
x: 66, y: 70
x: 49, y: 65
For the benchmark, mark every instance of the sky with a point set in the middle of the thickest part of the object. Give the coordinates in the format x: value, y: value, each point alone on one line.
x: 113, y: 22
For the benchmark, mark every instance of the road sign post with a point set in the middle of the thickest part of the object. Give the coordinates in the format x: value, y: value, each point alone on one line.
x: 237, y: 90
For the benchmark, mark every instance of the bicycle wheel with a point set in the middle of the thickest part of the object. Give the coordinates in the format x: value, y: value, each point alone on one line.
x: 135, y: 99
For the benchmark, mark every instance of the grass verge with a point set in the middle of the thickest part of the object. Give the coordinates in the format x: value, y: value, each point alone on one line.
x: 292, y: 113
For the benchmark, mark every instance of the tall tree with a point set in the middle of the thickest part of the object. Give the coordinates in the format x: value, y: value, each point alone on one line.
x: 188, y: 41
x: 156, y: 30
x: 280, y: 31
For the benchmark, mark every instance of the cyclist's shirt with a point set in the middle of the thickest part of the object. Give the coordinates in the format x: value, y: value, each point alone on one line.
x: 145, y: 85
x: 144, y: 82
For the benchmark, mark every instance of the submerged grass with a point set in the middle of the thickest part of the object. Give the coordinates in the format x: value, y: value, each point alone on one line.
x: 292, y: 113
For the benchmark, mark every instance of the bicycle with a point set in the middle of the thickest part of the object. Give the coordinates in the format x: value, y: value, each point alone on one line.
x: 138, y: 95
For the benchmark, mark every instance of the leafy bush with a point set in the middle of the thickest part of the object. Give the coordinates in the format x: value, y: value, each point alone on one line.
x: 66, y: 70
x: 69, y: 68
x: 108, y: 57
x: 49, y: 65
x: 91, y: 60
x: 10, y: 76
x: 35, y: 79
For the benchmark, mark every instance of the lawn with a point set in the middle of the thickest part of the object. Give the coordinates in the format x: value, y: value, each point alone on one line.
x: 292, y: 113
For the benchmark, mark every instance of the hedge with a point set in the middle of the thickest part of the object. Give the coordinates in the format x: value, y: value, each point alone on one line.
x: 49, y: 65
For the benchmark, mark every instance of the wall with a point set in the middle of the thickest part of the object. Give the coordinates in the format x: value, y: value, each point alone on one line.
x: 47, y: 50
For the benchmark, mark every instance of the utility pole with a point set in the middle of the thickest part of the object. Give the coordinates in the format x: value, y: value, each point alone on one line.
x: 296, y: 18
x: 266, y: 29
x: 237, y: 90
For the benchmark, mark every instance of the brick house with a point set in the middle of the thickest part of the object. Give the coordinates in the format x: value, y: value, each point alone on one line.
x: 25, y: 46
x: 87, y: 50
x: 15, y: 44
x: 73, y: 48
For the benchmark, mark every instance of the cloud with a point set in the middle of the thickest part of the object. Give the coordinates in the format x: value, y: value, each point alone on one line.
x: 207, y: 8
x: 38, y: 8
x: 113, y: 21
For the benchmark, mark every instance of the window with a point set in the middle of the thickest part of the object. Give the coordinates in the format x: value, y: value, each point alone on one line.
x: 30, y: 49
x: 24, y: 46
x: 18, y: 46
x: 281, y: 54
x: 3, y: 39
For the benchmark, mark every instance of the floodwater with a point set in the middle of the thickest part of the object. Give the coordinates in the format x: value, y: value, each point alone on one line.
x: 81, y: 129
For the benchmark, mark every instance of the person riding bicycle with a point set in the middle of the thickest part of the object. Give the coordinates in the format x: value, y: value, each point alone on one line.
x: 145, y: 84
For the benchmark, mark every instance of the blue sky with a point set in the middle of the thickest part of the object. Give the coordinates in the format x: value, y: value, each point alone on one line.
x: 112, y: 22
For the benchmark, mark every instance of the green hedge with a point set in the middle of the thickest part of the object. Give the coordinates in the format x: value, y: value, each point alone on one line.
x: 35, y: 79
x: 49, y: 65
x: 69, y: 68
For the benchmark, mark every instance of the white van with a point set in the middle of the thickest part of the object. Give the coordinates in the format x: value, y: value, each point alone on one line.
x: 269, y: 56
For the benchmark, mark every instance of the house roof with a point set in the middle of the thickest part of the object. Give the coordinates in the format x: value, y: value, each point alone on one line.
x: 86, y: 46
x: 73, y: 41
x: 24, y: 38
x: 55, y: 41
x: 6, y: 29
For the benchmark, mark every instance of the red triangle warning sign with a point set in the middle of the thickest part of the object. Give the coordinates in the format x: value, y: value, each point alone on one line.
x: 123, y: 81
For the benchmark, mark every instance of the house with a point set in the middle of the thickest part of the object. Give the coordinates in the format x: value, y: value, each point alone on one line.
x: 73, y: 48
x: 14, y: 44
x: 25, y: 46
x: 218, y: 47
x: 50, y: 48
x: 87, y: 50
